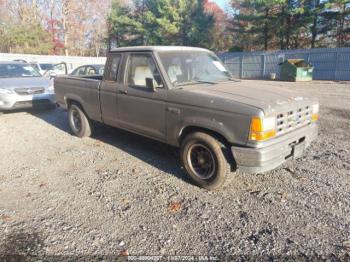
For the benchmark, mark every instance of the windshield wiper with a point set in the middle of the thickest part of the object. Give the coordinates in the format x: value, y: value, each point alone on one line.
x: 206, y: 82
x: 234, y: 79
x: 194, y: 82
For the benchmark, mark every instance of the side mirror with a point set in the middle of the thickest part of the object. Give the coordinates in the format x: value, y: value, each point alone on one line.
x: 52, y: 74
x: 150, y: 85
x: 49, y: 73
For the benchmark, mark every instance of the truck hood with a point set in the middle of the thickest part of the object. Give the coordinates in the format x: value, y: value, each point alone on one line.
x: 24, y: 82
x: 265, y: 96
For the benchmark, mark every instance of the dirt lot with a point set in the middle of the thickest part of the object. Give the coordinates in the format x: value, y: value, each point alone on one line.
x: 118, y: 193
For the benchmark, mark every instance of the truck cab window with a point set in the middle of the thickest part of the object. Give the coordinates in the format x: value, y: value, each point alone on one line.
x: 91, y: 71
x: 142, y: 67
x: 113, y: 71
x: 80, y: 71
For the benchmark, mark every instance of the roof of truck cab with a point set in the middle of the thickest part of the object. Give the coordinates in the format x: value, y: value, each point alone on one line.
x: 158, y: 48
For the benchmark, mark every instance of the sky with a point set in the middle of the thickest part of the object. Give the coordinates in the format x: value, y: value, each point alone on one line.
x: 221, y: 3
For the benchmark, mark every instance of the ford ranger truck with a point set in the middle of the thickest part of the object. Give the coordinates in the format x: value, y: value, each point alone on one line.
x: 185, y: 97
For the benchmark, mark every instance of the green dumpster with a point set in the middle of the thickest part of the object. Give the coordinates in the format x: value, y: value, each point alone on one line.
x: 296, y: 70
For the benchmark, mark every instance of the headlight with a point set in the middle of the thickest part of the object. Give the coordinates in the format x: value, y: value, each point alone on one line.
x: 262, y: 128
x: 315, y: 110
x: 5, y: 91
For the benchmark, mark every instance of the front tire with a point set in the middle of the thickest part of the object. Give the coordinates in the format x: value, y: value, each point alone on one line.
x: 204, y: 160
x: 79, y: 121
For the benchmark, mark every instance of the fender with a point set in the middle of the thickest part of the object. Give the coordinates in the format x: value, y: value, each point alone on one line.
x: 73, y: 97
x: 201, y: 122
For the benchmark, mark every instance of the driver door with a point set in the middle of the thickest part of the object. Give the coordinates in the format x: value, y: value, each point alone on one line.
x: 142, y: 109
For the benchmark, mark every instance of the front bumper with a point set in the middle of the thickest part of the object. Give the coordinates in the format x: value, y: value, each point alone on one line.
x: 266, y: 158
x: 15, y: 101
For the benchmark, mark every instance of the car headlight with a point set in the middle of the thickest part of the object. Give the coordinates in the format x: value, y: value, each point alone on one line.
x: 5, y: 91
x: 315, y: 110
x: 262, y: 128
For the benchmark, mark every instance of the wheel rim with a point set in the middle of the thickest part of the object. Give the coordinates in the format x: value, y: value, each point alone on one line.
x: 76, y: 120
x: 201, y: 161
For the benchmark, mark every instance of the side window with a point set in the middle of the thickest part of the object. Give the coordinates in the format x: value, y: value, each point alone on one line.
x: 90, y: 71
x: 80, y: 71
x: 142, y: 67
x: 113, y: 68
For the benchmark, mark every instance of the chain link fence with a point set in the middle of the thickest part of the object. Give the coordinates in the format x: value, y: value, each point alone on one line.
x: 329, y: 63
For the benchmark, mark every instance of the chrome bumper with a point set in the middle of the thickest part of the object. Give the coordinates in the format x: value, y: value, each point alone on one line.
x: 15, y: 101
x: 263, y: 159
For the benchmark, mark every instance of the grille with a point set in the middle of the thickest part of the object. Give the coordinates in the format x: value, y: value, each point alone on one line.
x: 30, y: 91
x: 293, y: 119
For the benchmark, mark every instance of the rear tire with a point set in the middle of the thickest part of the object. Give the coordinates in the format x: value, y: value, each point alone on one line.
x: 79, y: 121
x: 203, y: 158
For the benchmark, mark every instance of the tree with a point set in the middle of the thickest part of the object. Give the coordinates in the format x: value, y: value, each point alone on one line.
x: 21, y: 28
x: 26, y: 39
x: 78, y: 27
x: 338, y: 14
x: 97, y: 35
x: 161, y: 22
x: 124, y: 24
x: 201, y: 24
x: 291, y: 17
x: 289, y: 24
x: 313, y: 18
x: 221, y: 40
x: 256, y: 20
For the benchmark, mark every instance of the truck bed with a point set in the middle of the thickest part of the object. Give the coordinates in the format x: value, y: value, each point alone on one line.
x: 84, y: 90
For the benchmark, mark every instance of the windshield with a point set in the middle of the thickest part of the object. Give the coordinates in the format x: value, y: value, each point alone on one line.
x: 47, y: 66
x: 17, y: 70
x: 184, y: 67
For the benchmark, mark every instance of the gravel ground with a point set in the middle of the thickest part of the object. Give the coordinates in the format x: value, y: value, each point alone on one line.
x: 118, y: 194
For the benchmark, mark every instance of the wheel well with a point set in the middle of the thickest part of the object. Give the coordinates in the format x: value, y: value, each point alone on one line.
x: 191, y: 129
x: 75, y: 102
x: 226, y: 145
x: 69, y: 102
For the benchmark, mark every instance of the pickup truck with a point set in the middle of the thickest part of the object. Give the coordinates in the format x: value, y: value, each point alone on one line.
x: 185, y: 97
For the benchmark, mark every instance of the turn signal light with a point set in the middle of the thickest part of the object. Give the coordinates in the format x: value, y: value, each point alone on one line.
x: 314, y: 117
x: 261, y: 136
x: 262, y: 128
x: 315, y: 110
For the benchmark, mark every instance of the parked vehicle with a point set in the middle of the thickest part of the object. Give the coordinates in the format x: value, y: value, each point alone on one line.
x: 47, y: 69
x: 185, y: 97
x: 22, y: 86
x: 51, y: 69
x: 86, y: 70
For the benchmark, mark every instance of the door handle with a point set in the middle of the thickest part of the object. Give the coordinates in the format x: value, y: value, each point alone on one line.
x: 174, y: 110
x: 123, y: 92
